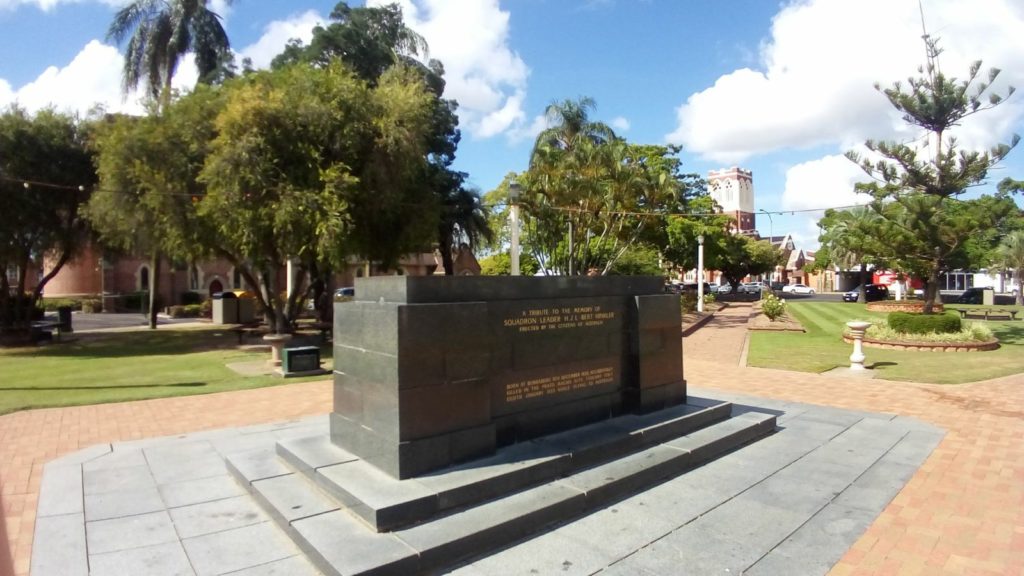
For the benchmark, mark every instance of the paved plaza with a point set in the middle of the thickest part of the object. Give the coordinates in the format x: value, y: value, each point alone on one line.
x: 849, y: 444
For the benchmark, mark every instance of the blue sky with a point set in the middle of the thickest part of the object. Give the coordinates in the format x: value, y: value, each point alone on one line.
x: 782, y: 89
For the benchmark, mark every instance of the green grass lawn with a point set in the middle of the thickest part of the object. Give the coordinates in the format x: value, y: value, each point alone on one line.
x: 822, y: 348
x: 123, y: 366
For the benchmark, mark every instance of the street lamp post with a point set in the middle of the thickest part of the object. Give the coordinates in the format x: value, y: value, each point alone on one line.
x: 700, y: 273
x: 513, y: 198
x: 771, y: 233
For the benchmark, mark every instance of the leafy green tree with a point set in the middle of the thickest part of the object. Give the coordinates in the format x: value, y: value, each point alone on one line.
x: 500, y: 264
x: 39, y: 220
x: 638, y: 261
x: 926, y: 187
x: 698, y: 218
x: 370, y: 41
x: 589, y: 196
x: 854, y: 238
x: 315, y: 165
x: 1010, y: 256
x: 737, y: 256
x: 148, y: 168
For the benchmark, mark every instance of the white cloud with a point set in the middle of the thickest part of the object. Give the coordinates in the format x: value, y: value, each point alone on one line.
x: 277, y: 34
x: 815, y: 82
x: 620, y: 124
x: 92, y: 78
x: 824, y: 183
x: 47, y: 5
x: 483, y: 74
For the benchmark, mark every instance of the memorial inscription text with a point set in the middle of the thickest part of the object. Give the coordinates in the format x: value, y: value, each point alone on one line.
x: 542, y: 319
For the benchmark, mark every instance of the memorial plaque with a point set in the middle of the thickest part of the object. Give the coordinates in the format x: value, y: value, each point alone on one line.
x: 301, y: 359
x: 430, y: 371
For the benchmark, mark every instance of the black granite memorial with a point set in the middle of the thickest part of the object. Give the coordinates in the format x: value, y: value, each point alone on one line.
x: 300, y: 359
x: 431, y: 371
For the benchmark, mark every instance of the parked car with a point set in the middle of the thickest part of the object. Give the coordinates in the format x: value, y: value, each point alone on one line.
x: 798, y: 289
x: 972, y: 296
x: 872, y: 292
x: 691, y: 287
x: 750, y: 288
x: 725, y: 289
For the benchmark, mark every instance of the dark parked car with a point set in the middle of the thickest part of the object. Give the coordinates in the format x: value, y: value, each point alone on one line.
x: 972, y: 296
x: 872, y: 292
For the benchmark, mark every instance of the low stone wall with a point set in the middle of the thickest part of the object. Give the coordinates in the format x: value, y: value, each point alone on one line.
x: 911, y: 306
x: 928, y: 346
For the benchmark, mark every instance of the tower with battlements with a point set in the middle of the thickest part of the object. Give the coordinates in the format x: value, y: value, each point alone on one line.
x: 733, y: 190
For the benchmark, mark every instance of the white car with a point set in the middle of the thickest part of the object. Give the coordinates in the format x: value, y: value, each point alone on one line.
x: 798, y: 289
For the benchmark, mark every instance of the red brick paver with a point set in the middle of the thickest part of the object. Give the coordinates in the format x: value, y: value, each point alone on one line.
x: 962, y: 513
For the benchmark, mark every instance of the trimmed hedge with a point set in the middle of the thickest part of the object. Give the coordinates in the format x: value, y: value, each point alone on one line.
x: 924, y: 323
x: 51, y: 304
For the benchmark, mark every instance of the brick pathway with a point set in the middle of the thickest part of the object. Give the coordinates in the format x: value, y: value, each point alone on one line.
x: 962, y: 513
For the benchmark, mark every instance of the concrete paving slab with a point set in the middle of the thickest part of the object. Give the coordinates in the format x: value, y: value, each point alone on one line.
x: 107, y: 480
x: 122, y: 503
x: 116, y: 458
x: 346, y: 544
x: 237, y: 549
x: 172, y: 471
x: 555, y: 553
x: 64, y: 483
x: 201, y: 490
x: 292, y: 566
x: 130, y: 532
x: 83, y: 455
x: 157, y: 560
x: 817, y: 545
x: 216, y: 516
x: 63, y: 539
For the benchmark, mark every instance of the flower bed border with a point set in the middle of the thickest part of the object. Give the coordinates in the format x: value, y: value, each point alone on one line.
x: 928, y: 346
x: 901, y: 306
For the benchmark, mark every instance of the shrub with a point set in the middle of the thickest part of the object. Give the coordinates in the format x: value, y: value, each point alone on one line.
x: 135, y: 302
x: 91, y: 305
x: 688, y: 302
x: 51, y: 304
x: 191, y: 298
x: 185, y: 311
x: 773, y: 307
x: 971, y: 332
x: 908, y: 323
x: 709, y: 298
x: 206, y: 308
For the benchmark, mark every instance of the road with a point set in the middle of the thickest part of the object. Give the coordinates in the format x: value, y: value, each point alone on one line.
x: 84, y: 322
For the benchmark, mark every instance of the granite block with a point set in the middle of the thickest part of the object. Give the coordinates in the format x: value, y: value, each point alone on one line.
x: 254, y: 465
x: 338, y: 543
x: 375, y: 496
x: 308, y: 453
x: 289, y: 498
x: 604, y: 483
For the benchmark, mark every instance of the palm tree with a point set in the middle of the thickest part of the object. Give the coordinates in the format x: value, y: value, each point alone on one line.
x: 1010, y: 255
x: 160, y: 33
x: 851, y: 237
x: 570, y: 125
x: 463, y: 221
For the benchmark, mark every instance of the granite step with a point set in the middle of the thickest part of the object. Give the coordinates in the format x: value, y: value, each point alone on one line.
x: 338, y: 540
x: 387, y: 504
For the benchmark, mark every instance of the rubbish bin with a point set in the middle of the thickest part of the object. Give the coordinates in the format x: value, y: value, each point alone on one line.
x: 225, y: 308
x: 64, y: 317
x: 246, y: 307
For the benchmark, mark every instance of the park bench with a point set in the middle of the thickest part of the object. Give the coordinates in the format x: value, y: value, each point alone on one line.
x: 986, y: 314
x: 43, y: 329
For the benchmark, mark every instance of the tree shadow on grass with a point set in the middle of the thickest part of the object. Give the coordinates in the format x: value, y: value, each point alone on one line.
x: 126, y: 386
x: 132, y: 344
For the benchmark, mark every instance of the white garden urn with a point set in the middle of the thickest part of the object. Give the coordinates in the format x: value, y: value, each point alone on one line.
x: 857, y: 330
x: 277, y: 343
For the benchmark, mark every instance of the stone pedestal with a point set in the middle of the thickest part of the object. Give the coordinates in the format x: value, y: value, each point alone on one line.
x: 277, y: 343
x: 857, y: 330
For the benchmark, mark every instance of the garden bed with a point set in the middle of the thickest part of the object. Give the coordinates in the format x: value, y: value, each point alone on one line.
x: 912, y: 306
x: 927, y: 346
x: 785, y: 323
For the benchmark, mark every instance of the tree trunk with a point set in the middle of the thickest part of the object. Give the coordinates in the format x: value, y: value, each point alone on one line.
x: 864, y: 283
x: 931, y: 290
x: 1020, y: 289
x: 154, y: 292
